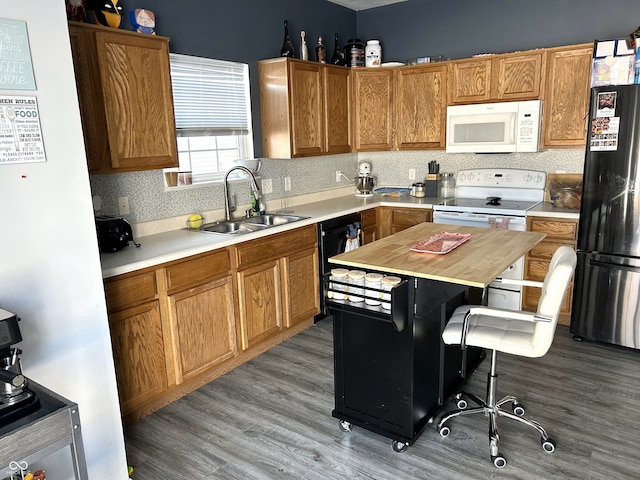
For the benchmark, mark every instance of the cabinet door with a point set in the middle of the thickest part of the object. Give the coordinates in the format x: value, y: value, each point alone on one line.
x: 421, y: 103
x: 470, y: 81
x: 369, y: 226
x: 138, y: 351
x: 203, y: 323
x: 373, y: 109
x: 301, y: 286
x: 519, y: 77
x: 337, y: 101
x: 566, y: 102
x: 259, y: 294
x: 307, y: 117
x: 136, y: 90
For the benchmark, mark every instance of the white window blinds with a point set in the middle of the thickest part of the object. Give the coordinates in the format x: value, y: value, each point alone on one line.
x: 211, y: 97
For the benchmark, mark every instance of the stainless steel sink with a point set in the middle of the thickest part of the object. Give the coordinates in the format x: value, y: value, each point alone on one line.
x: 251, y: 224
x: 231, y: 227
x: 272, y: 219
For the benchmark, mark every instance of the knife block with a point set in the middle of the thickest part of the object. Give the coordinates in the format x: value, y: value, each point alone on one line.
x: 432, y: 184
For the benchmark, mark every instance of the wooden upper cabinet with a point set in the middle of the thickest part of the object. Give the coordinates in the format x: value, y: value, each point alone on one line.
x: 507, y: 77
x: 372, y: 116
x: 304, y: 108
x: 125, y: 97
x: 421, y: 107
x: 337, y: 102
x: 519, y: 77
x: 566, y: 99
x: 307, y: 108
x: 470, y: 81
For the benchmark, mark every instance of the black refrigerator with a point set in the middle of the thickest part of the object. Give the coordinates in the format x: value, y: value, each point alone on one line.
x: 607, y: 282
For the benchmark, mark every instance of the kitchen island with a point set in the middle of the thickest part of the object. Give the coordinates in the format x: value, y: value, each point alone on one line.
x: 392, y: 370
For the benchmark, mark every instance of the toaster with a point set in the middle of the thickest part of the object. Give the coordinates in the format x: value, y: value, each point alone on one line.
x: 114, y: 233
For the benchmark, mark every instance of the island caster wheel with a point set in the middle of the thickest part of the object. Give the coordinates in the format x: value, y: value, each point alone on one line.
x: 499, y: 461
x: 399, y: 447
x: 518, y: 409
x: 548, y: 445
x: 445, y: 431
x: 344, y: 425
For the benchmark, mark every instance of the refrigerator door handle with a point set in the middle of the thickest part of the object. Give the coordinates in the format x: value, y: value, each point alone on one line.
x: 612, y: 266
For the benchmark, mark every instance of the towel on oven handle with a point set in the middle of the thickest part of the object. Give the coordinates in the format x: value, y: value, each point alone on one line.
x: 353, y: 237
x: 501, y: 223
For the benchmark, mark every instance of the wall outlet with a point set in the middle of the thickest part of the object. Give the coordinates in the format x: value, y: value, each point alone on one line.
x: 412, y: 174
x: 338, y: 176
x: 123, y: 205
x: 267, y: 185
x: 287, y: 184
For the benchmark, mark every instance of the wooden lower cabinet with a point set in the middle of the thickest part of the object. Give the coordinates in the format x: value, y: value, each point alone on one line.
x: 204, y: 327
x: 259, y: 302
x: 138, y: 353
x: 559, y: 232
x: 394, y: 219
x: 300, y: 282
x: 179, y: 325
x: 369, y: 226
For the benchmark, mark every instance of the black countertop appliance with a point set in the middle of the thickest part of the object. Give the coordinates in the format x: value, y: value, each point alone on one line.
x: 114, y: 233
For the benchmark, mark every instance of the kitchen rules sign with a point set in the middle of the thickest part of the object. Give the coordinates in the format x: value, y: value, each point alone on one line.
x: 16, y: 71
x: 20, y: 132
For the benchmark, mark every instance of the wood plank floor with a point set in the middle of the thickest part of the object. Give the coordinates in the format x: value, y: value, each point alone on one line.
x: 271, y: 419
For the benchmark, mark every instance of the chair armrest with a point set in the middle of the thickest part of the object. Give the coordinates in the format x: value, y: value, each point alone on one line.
x: 524, y: 283
x: 498, y: 313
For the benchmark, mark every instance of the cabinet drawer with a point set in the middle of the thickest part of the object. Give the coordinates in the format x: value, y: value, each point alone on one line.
x: 411, y: 217
x: 275, y: 246
x: 369, y: 217
x: 129, y: 290
x: 197, y: 270
x: 545, y: 250
x: 561, y: 229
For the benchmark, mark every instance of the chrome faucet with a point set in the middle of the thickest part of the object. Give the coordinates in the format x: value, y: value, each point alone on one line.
x: 254, y: 189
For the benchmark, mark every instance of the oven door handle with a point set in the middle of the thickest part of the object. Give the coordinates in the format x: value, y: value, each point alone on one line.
x: 475, y: 217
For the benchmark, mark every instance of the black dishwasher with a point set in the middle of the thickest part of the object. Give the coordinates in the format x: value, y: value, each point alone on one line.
x: 392, y: 371
x: 332, y: 239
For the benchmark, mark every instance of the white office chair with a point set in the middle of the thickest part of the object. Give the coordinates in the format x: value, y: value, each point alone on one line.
x: 515, y: 332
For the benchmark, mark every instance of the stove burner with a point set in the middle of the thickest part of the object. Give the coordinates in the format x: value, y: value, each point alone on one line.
x: 493, y: 200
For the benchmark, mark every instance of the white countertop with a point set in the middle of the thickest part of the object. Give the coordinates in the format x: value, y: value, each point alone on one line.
x: 174, y: 245
x: 545, y: 209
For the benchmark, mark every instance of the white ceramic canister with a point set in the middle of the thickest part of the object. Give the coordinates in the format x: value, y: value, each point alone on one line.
x: 374, y: 281
x: 356, y: 281
x: 388, y: 283
x: 337, y: 290
x: 373, y: 54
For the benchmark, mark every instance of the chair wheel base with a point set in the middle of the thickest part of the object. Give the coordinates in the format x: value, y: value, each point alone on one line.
x: 548, y: 445
x: 499, y: 461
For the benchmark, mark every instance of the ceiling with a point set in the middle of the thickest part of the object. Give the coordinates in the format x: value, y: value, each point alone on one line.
x: 364, y: 4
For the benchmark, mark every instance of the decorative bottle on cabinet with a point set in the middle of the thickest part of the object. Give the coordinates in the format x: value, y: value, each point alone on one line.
x: 338, y: 57
x: 321, y: 52
x: 304, y: 51
x: 287, y: 47
x: 373, y: 53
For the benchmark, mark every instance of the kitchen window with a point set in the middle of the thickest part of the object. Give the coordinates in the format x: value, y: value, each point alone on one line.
x: 213, y: 115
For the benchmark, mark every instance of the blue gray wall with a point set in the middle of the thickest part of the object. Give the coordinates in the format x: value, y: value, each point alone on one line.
x: 462, y: 28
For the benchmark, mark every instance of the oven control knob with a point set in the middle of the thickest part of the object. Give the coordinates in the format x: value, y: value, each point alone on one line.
x: 462, y: 177
x: 471, y: 176
x: 538, y: 178
x: 528, y: 178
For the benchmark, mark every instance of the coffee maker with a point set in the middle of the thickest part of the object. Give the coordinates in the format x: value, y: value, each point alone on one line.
x: 15, y: 399
x: 364, y: 181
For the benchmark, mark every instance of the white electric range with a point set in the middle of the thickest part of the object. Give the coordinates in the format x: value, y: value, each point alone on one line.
x: 495, y: 198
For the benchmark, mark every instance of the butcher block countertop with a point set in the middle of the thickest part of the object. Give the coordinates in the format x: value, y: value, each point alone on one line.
x: 475, y: 263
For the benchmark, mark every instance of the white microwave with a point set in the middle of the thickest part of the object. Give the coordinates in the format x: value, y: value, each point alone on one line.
x: 494, y: 127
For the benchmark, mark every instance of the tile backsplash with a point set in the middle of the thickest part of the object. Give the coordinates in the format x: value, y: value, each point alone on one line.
x: 149, y: 200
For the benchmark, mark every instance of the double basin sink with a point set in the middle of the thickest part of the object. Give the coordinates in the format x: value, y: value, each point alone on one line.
x: 251, y: 224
